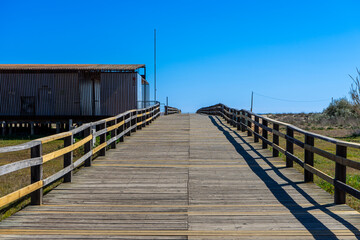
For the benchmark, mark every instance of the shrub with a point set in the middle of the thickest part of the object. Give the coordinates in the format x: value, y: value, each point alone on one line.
x: 355, y: 91
x: 340, y: 108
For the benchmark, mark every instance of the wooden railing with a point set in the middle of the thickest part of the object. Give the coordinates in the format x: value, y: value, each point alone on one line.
x: 108, y: 131
x: 248, y: 121
x: 171, y: 110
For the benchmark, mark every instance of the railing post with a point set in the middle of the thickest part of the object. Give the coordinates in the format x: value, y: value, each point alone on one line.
x: 289, y: 146
x: 149, y: 115
x: 102, y: 137
x: 88, y: 146
x: 238, y: 120
x: 68, y: 157
x: 113, y: 134
x: 249, y: 124
x: 134, y: 120
x: 309, y: 159
x: 256, y: 129
x: 139, y: 119
x: 122, y: 128
x: 264, y: 134
x: 275, y: 140
x: 36, y: 175
x: 166, y: 110
x: 234, y: 118
x: 227, y: 115
x: 128, y: 124
x: 145, y: 117
x: 243, y: 129
x: 154, y: 113
x: 340, y: 175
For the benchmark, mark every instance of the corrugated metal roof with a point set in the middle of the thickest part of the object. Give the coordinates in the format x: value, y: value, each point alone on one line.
x: 105, y: 67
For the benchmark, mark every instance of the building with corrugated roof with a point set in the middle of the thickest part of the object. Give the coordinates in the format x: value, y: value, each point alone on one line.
x: 35, y: 96
x: 76, y: 91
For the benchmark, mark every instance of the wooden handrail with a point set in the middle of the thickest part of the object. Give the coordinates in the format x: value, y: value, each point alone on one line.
x: 171, y: 110
x: 117, y: 126
x: 244, y: 120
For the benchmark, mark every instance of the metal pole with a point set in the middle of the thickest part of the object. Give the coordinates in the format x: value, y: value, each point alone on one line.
x: 167, y: 101
x: 252, y: 98
x: 155, y: 64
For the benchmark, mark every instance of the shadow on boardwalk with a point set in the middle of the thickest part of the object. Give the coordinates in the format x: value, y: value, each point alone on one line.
x: 311, y: 223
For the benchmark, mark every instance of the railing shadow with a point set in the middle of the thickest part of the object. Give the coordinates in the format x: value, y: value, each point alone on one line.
x: 311, y: 223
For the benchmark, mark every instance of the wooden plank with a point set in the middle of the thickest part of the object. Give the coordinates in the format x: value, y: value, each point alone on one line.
x: 58, y: 175
x: 341, y: 160
x: 110, y: 119
x: 15, y: 166
x: 20, y: 147
x: 98, y: 148
x: 115, y: 126
x: 65, y: 150
x: 318, y: 173
x: 54, y: 137
x: 260, y: 233
x: 9, y: 198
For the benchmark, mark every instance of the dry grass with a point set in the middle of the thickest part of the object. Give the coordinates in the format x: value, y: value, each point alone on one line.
x: 328, y: 166
x: 16, y: 180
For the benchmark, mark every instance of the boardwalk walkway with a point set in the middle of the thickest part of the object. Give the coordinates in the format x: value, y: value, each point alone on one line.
x: 186, y: 177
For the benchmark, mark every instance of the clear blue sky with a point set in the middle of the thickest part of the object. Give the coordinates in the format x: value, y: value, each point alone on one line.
x: 208, y: 51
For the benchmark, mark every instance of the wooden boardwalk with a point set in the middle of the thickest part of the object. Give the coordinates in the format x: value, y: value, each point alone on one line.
x: 186, y: 177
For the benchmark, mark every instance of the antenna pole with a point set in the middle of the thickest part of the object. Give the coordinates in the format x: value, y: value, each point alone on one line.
x: 155, y: 64
x: 252, y: 101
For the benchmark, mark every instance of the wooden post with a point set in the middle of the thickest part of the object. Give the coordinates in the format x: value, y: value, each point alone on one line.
x: 10, y: 129
x: 256, y: 129
x: 289, y: 146
x: 36, y: 175
x: 243, y: 129
x: 3, y: 128
x: 102, y: 151
x: 121, y: 129
x: 134, y: 121
x: 143, y: 119
x: 249, y: 124
x: 264, y: 134
x: 340, y: 175
x: 88, y: 147
x: 309, y: 159
x: 226, y: 114
x: 152, y: 114
x: 238, y: 120
x: 70, y: 125
x: 128, y: 124
x: 275, y: 140
x: 32, y: 130
x: 113, y: 134
x: 138, y: 119
x: 234, y: 118
x: 68, y: 157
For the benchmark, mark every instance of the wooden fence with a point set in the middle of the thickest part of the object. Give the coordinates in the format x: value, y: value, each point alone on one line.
x: 171, y: 110
x: 248, y: 121
x: 107, y: 131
